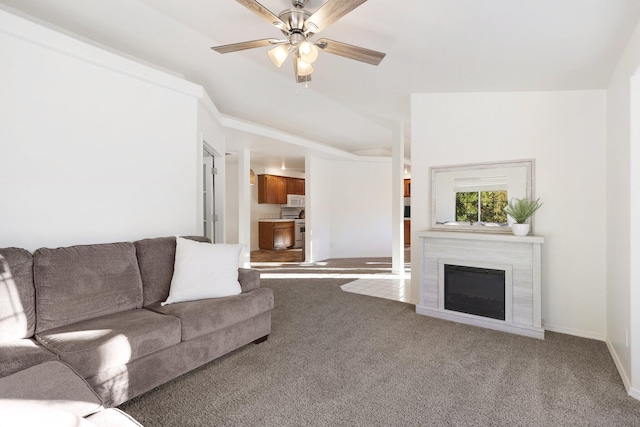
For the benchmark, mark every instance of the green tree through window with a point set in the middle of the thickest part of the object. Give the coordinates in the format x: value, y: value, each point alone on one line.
x: 483, y: 206
x: 467, y: 206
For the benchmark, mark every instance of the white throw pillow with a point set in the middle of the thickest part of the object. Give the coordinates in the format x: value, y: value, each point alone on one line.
x: 204, y: 270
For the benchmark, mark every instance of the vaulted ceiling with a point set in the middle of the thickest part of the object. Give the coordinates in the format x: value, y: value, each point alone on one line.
x: 431, y: 46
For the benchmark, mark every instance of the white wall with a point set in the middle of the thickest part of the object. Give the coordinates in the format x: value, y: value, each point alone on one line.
x: 317, y: 209
x: 634, y: 300
x: 620, y: 164
x: 231, y: 202
x: 95, y: 147
x: 360, y: 199
x: 565, y: 133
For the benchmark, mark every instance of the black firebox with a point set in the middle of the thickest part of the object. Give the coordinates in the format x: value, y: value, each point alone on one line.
x: 479, y: 291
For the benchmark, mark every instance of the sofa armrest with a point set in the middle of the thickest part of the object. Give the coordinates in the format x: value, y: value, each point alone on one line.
x: 249, y: 279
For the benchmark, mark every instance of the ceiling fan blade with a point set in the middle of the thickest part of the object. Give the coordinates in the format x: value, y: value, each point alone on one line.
x: 329, y: 13
x: 352, y: 52
x: 264, y: 13
x: 227, y: 48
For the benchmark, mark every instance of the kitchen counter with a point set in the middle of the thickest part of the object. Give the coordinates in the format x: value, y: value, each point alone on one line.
x: 276, y: 220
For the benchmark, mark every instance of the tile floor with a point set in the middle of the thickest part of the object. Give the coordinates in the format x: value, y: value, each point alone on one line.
x: 390, y: 287
x: 372, y: 276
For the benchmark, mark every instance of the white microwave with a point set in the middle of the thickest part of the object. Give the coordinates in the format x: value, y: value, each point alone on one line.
x: 295, y: 201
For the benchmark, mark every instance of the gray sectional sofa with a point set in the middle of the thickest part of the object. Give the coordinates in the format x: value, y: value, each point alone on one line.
x: 96, y: 308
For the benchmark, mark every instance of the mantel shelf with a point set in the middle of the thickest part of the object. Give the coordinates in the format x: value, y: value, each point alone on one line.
x: 497, y: 237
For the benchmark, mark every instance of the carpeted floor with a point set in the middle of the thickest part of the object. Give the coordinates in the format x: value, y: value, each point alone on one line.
x: 341, y: 359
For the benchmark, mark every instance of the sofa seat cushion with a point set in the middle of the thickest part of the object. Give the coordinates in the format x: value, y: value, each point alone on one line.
x: 202, y: 317
x: 54, y: 385
x: 22, y: 354
x: 93, y: 345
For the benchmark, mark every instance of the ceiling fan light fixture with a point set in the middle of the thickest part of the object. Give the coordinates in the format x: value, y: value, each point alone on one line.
x: 308, y: 52
x: 278, y: 55
x: 298, y: 26
x: 304, y: 69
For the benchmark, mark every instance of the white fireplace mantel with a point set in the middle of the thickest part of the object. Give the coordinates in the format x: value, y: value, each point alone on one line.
x: 518, y: 257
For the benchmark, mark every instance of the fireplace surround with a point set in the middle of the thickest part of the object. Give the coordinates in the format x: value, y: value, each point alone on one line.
x: 515, y: 260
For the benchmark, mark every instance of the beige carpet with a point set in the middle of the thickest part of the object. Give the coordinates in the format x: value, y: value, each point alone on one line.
x: 341, y: 359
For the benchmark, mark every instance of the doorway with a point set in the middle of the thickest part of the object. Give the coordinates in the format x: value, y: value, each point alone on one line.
x: 209, y: 216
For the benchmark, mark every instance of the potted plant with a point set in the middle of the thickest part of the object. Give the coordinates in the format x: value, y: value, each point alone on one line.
x: 520, y: 210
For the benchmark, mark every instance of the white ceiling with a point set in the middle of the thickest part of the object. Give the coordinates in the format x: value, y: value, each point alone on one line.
x: 431, y: 46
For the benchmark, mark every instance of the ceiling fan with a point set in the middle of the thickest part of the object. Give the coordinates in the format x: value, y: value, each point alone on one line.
x: 299, y: 26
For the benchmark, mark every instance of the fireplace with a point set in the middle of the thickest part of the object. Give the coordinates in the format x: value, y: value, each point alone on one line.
x: 482, y: 279
x: 478, y: 291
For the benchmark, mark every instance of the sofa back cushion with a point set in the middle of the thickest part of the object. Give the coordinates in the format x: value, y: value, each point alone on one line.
x: 17, y: 294
x: 83, y: 282
x: 156, y: 258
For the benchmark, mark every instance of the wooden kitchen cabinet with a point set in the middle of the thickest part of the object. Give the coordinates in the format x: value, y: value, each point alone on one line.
x: 272, y: 189
x: 295, y: 186
x: 407, y: 232
x: 407, y: 188
x: 276, y: 234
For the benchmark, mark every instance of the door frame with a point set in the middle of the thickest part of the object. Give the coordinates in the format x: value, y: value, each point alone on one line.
x: 218, y: 228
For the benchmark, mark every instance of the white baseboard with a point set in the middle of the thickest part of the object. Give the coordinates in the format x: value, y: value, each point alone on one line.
x: 635, y: 393
x: 576, y: 332
x: 621, y: 370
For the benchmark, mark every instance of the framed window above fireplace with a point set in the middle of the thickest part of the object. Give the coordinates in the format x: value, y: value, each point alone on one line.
x: 481, y: 206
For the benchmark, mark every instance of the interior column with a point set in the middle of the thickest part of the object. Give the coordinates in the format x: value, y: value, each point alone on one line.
x: 397, y: 195
x: 244, y: 206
